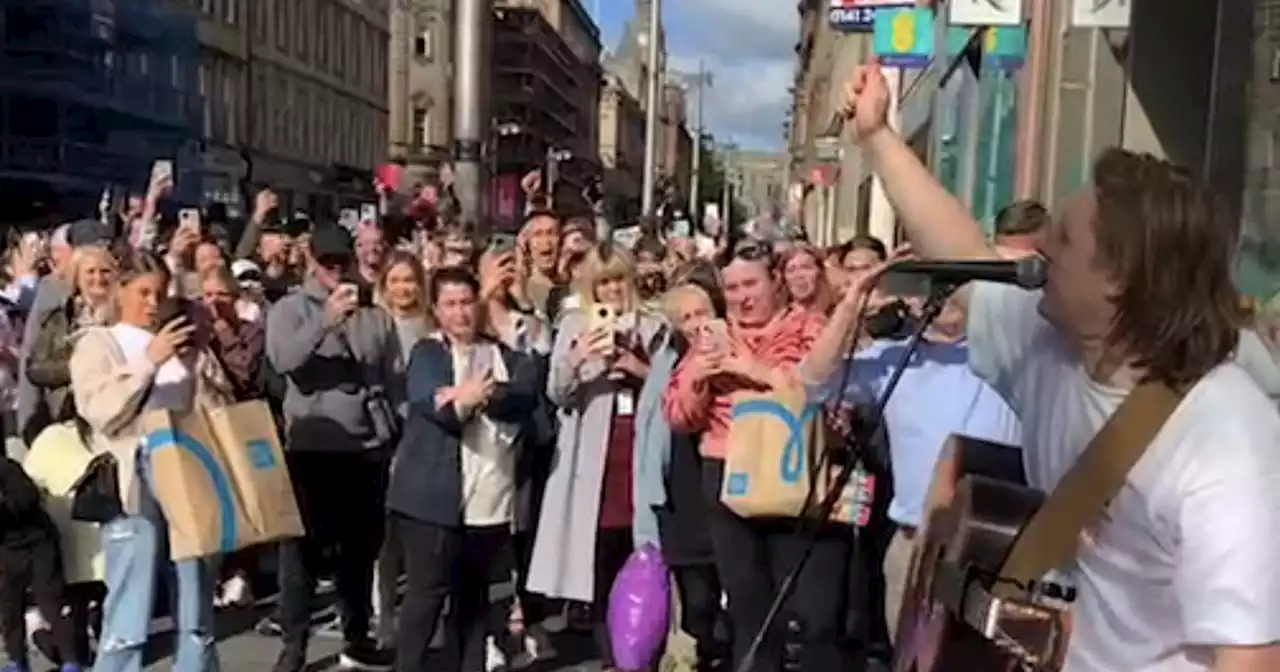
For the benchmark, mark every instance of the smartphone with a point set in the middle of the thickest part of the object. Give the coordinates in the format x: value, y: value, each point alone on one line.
x: 162, y: 171
x: 189, y: 218
x: 369, y: 212
x: 171, y: 309
x: 716, y: 333
x: 603, y: 317
x: 501, y: 243
x: 362, y: 292
x: 349, y: 219
x: 904, y: 284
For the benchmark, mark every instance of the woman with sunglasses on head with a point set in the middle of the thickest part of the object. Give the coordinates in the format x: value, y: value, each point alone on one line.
x: 764, y: 343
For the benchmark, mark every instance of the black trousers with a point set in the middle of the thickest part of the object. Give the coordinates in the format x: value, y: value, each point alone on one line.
x: 613, y: 547
x: 341, y: 498
x: 446, y: 562
x: 699, y: 587
x: 36, y: 568
x: 752, y: 558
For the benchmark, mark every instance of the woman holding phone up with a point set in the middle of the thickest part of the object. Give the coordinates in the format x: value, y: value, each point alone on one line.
x: 144, y: 360
x: 598, y: 363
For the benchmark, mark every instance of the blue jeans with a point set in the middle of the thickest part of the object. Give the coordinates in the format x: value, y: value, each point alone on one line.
x: 135, y: 547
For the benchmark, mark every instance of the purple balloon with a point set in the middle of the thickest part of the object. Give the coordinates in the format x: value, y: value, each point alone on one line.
x: 639, y: 609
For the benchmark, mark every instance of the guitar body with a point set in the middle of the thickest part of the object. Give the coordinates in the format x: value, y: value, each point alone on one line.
x: 976, y: 508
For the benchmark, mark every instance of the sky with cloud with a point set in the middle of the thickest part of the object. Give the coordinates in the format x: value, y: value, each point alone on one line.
x: 747, y: 45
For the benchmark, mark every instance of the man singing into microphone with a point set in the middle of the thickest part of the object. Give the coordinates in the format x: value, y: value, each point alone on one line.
x: 938, y: 395
x: 1180, y: 575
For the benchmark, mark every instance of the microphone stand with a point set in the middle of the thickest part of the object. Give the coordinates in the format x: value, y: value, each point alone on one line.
x: 936, y: 301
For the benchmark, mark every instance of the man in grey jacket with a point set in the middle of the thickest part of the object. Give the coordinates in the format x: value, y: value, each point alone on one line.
x: 337, y: 354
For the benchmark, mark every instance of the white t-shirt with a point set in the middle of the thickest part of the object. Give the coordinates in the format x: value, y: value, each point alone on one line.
x: 174, y: 387
x: 1189, y: 555
x: 488, y: 460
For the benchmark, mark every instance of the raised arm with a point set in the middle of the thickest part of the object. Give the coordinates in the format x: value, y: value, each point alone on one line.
x: 938, y: 225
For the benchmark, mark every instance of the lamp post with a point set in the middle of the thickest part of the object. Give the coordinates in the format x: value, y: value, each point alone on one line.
x: 700, y: 83
x: 652, y: 104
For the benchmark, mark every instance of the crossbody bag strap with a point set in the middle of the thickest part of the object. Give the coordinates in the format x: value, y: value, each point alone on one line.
x: 1050, y: 539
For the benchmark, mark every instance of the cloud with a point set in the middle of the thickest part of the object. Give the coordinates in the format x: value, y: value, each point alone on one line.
x: 748, y: 48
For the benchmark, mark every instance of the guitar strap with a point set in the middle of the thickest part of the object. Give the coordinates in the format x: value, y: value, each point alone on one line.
x: 1050, y: 539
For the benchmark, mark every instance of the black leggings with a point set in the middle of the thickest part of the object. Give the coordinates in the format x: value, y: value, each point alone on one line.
x: 752, y: 557
x: 613, y: 547
x: 36, y: 568
x: 699, y: 587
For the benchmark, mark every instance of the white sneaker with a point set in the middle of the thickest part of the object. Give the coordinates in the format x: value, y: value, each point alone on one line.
x: 236, y: 592
x: 494, y: 658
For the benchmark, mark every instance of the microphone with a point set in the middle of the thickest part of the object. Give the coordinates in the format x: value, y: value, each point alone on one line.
x: 1027, y: 273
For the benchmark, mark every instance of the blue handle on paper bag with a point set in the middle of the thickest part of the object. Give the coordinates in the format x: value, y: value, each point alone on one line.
x: 168, y: 438
x: 792, y: 466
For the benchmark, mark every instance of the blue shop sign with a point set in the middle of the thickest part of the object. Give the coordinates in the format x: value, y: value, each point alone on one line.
x: 904, y: 36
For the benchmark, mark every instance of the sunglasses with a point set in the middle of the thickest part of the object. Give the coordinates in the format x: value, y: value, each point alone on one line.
x: 751, y: 251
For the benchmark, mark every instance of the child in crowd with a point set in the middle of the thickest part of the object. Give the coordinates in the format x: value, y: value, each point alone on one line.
x: 29, y: 561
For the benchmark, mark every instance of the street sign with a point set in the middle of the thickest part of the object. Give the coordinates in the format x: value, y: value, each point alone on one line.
x: 827, y: 148
x: 1101, y: 13
x: 985, y: 12
x: 904, y: 37
x: 1005, y: 47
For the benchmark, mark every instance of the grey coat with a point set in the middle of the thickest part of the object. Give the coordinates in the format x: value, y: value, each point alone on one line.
x: 333, y: 373
x: 563, y: 559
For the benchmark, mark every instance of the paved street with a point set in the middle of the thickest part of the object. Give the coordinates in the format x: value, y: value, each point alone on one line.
x: 241, y: 649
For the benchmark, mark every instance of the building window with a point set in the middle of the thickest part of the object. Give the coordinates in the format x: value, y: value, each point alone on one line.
x: 229, y: 13
x: 343, y: 44
x: 282, y: 25
x: 421, y: 127
x: 423, y: 44
x: 300, y: 36
x: 206, y: 101
x: 230, y: 98
x: 206, y: 7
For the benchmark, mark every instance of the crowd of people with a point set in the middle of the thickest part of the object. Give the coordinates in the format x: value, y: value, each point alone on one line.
x: 532, y: 408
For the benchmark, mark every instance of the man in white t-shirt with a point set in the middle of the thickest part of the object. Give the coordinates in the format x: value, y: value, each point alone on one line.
x: 1183, y: 572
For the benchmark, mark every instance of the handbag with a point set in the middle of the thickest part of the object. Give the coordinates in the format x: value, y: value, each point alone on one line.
x: 95, y: 495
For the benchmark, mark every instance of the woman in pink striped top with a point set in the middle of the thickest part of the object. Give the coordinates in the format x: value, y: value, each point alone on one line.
x: 765, y: 342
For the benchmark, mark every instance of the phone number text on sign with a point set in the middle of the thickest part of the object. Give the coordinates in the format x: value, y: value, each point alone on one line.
x: 856, y: 15
x: 852, y: 18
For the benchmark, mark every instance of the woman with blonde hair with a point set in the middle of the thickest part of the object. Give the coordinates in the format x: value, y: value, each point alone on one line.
x: 120, y: 372
x: 401, y: 290
x: 91, y: 274
x: 599, y: 360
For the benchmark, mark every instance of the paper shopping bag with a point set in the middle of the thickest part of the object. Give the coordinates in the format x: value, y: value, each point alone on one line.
x: 246, y: 433
x: 769, y: 460
x: 192, y: 482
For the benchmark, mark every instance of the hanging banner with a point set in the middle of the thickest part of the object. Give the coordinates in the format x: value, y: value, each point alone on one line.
x: 985, y: 12
x: 1101, y: 13
x: 904, y: 37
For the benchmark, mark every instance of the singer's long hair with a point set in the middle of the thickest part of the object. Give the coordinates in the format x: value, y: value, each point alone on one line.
x: 1172, y: 244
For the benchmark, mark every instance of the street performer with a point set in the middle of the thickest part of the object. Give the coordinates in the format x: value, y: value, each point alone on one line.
x: 1182, y: 574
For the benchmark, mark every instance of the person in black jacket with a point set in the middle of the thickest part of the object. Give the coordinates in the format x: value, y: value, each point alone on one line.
x: 29, y: 561
x: 452, y: 487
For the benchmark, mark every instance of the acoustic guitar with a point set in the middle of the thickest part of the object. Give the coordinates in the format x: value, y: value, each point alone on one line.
x: 956, y: 615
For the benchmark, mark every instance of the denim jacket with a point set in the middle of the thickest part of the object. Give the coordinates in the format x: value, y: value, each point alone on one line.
x: 652, y: 457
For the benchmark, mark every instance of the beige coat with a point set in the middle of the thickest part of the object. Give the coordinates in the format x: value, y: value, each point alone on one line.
x: 111, y: 392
